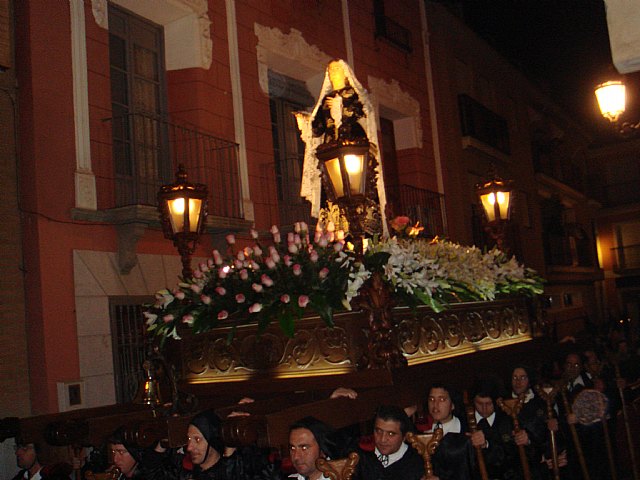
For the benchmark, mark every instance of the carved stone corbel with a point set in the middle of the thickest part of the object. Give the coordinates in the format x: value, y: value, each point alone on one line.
x: 128, y: 236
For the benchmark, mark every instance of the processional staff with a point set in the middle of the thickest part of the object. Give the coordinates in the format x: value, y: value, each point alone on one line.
x: 590, y: 407
x: 548, y: 394
x: 426, y: 444
x: 512, y: 407
x: 574, y: 433
x: 627, y: 425
x: 471, y: 420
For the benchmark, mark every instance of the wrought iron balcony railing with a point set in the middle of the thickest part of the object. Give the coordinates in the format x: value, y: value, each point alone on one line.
x: 420, y: 205
x: 626, y: 258
x: 147, y: 150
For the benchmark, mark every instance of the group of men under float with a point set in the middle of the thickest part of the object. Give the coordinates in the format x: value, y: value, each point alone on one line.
x: 383, y: 450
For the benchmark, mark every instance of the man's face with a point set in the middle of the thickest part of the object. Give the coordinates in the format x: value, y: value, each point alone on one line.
x: 304, y: 451
x: 25, y: 456
x: 387, y: 436
x: 123, y: 459
x: 440, y: 405
x: 572, y: 366
x: 197, y: 445
x: 519, y: 381
x: 484, y: 406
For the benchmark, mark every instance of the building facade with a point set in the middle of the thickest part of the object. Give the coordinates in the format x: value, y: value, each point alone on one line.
x: 137, y: 86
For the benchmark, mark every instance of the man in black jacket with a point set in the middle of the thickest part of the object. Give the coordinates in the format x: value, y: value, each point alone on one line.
x: 392, y: 458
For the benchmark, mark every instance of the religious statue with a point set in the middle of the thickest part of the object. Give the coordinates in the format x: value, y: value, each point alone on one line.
x: 343, y: 113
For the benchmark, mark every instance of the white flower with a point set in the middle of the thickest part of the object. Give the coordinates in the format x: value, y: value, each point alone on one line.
x: 151, y: 318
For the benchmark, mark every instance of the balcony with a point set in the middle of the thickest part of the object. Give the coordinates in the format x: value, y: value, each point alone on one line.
x: 146, y: 152
x: 626, y: 258
x: 618, y: 194
x: 420, y: 205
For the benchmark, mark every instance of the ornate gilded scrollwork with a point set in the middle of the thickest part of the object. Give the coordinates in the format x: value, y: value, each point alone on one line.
x: 315, y: 349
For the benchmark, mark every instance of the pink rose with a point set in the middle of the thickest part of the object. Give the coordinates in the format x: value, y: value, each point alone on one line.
x: 296, y: 239
x: 323, y: 242
x: 231, y: 239
x: 255, y: 308
x: 256, y: 287
x: 217, y: 258
x: 290, y: 237
x: 240, y: 298
x: 254, y: 265
x: 274, y: 229
x: 297, y: 270
x: 222, y: 314
x: 238, y: 264
x: 276, y: 238
x: 313, y: 256
x: 323, y: 273
x: 210, y: 263
x: 317, y: 236
x: 196, y: 288
x: 266, y: 280
x: 179, y: 295
x: 304, y: 227
x: 244, y: 274
x: 257, y: 251
x: 270, y: 263
x: 337, y: 246
x: 241, y: 256
x: 287, y: 260
x: 203, y: 267
x: 254, y: 233
x: 197, y: 274
x: 293, y: 248
x: 400, y: 223
x: 303, y: 301
x: 285, y: 298
x: 221, y: 291
x: 188, y: 319
x: 168, y: 318
x: 222, y: 272
x: 206, y: 299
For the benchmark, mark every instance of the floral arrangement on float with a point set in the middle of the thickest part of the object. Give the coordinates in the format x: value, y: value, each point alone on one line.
x: 283, y: 279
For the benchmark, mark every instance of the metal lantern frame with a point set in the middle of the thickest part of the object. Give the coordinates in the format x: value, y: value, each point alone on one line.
x: 496, y: 218
x: 611, y: 96
x: 177, y: 226
x: 351, y: 198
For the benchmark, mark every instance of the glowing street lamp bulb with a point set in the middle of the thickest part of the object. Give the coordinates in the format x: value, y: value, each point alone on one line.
x: 492, y: 199
x: 501, y: 198
x: 353, y: 163
x: 178, y: 206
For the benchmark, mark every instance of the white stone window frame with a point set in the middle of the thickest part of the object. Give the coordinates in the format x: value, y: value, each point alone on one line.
x: 186, y: 23
x: 392, y: 102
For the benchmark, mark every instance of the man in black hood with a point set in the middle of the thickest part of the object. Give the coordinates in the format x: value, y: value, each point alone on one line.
x: 206, y: 448
x: 126, y: 457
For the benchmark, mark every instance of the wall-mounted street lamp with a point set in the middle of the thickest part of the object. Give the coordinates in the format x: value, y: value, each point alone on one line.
x: 496, y: 198
x: 346, y: 174
x: 612, y: 102
x: 183, y: 211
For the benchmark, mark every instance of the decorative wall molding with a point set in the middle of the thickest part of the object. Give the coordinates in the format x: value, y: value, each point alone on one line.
x: 187, y: 28
x: 85, y: 182
x: 406, y: 108
x: 289, y: 54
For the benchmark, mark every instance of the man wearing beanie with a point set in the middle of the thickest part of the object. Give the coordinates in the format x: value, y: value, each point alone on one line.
x: 126, y: 457
x: 309, y: 441
x: 205, y: 447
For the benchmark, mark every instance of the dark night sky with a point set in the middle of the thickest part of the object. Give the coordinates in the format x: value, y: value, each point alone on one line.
x: 562, y: 45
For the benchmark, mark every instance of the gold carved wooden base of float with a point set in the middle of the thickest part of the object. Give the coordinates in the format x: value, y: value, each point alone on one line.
x: 315, y: 349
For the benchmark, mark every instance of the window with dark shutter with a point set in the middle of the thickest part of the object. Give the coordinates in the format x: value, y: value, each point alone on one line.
x: 138, y: 100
